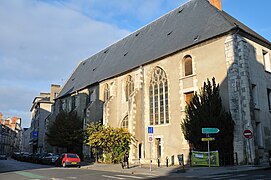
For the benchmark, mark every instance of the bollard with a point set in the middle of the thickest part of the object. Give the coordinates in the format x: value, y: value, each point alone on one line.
x: 172, y: 160
x: 167, y: 161
x: 158, y: 161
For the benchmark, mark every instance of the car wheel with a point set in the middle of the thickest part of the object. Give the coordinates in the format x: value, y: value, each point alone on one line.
x: 78, y: 166
x: 64, y: 165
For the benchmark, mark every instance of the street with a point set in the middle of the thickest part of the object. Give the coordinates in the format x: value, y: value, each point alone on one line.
x: 11, y: 169
x: 264, y: 174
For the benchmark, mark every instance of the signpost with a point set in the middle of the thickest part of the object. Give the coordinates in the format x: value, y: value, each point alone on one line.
x: 208, y: 131
x: 150, y: 140
x: 248, y: 134
x: 150, y: 130
x: 208, y: 139
x: 35, y: 134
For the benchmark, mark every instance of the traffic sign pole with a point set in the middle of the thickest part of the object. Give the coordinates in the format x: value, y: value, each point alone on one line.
x: 208, y: 131
x: 209, y: 154
x: 150, y: 139
x: 150, y: 156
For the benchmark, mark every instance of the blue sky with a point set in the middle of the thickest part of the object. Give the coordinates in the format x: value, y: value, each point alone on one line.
x: 42, y: 41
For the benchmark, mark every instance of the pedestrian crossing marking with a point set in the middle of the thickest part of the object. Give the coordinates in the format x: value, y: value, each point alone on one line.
x: 135, y: 177
x: 228, y: 176
x: 112, y: 177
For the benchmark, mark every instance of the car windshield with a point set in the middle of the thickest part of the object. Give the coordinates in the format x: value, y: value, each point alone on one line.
x: 72, y: 156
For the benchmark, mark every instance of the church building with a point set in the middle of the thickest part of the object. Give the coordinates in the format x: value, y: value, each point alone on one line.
x: 146, y: 78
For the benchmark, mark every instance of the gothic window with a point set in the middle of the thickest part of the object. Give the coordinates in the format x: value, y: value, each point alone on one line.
x: 74, y: 102
x: 158, y: 97
x: 124, y: 123
x: 64, y: 104
x: 106, y: 92
x: 92, y: 96
x: 188, y: 67
x: 129, y: 88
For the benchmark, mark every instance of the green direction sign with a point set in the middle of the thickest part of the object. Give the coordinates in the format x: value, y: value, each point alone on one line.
x: 209, y: 130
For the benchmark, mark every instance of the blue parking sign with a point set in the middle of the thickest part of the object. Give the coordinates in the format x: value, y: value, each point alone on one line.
x: 35, y: 134
x: 150, y: 130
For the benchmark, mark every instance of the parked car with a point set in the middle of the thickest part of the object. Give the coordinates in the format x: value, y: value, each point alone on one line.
x: 50, y: 158
x: 3, y: 157
x: 69, y: 159
x: 22, y: 155
x: 40, y: 157
x: 35, y: 158
x: 25, y: 156
x: 29, y: 158
x: 15, y: 155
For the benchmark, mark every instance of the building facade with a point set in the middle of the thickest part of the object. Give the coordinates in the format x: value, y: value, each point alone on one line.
x: 7, y: 140
x: 25, y: 140
x: 11, y: 134
x: 146, y: 79
x: 40, y: 110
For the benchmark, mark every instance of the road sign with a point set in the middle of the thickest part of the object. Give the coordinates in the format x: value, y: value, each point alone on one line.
x: 248, y: 134
x: 208, y: 139
x: 209, y: 130
x: 150, y: 138
x: 35, y: 134
x: 150, y: 130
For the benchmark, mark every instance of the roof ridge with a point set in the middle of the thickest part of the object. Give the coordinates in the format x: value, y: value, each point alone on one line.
x: 219, y: 12
x: 191, y: 23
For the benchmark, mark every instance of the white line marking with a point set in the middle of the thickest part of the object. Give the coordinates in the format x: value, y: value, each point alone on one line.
x: 259, y: 175
x: 217, y: 176
x: 112, y: 177
x: 135, y: 177
x: 241, y: 175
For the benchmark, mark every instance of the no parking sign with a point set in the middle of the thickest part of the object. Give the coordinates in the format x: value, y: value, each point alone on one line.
x: 150, y: 138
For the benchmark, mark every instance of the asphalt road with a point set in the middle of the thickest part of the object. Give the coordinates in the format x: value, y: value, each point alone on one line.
x: 14, y: 170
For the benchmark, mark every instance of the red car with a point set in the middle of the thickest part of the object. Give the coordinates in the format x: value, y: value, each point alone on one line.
x: 69, y: 159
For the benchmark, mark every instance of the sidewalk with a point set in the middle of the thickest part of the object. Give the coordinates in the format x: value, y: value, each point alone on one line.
x: 144, y: 169
x: 173, y: 170
x: 206, y: 171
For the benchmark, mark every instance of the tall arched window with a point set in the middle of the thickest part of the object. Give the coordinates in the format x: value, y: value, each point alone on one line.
x: 106, y: 92
x: 188, y: 66
x: 129, y: 88
x: 125, y: 123
x: 158, y: 97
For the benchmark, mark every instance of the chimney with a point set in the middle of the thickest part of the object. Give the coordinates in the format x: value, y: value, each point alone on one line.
x: 217, y: 4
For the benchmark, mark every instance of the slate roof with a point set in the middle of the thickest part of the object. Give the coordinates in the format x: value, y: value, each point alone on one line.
x: 194, y: 22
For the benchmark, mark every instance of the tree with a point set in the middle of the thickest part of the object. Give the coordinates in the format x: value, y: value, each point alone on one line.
x: 205, y: 110
x: 66, y: 132
x: 114, y: 142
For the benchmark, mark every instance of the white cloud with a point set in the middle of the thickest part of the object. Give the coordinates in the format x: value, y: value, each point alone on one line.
x: 42, y: 43
x: 130, y: 14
